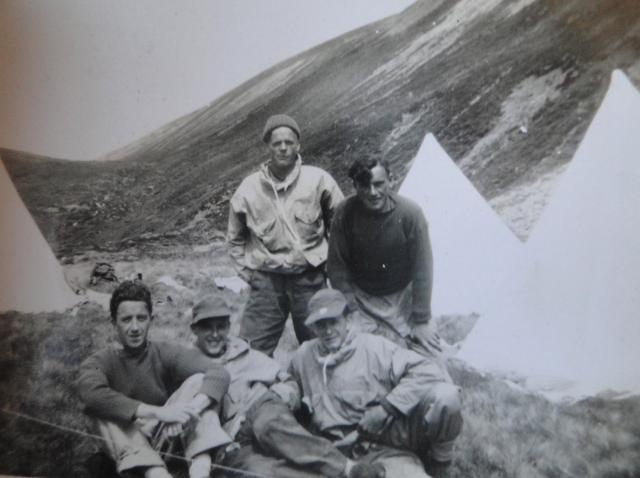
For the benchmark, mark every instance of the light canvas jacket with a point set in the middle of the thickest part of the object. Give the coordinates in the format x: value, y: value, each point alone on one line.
x: 368, y: 369
x: 282, y: 226
x: 252, y: 374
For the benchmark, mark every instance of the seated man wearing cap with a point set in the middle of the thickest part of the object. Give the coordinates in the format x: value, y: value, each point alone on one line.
x: 257, y: 410
x: 384, y: 403
x: 144, y: 395
x: 279, y: 219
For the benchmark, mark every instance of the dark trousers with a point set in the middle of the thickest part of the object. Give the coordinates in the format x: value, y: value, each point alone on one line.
x: 428, y: 432
x: 275, y: 444
x: 273, y: 297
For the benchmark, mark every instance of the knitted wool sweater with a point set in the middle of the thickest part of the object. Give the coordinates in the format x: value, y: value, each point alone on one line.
x: 382, y: 252
x: 112, y: 383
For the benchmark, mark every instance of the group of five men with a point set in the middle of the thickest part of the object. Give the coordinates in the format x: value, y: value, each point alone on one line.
x: 366, y: 394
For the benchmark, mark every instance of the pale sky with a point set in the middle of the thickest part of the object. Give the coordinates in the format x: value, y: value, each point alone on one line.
x: 80, y: 78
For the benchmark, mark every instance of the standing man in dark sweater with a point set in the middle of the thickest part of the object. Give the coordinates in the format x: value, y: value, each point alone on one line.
x: 380, y: 258
x: 144, y: 394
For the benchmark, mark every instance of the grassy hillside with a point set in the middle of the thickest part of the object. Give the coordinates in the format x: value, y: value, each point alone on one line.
x: 508, y: 432
x: 507, y: 86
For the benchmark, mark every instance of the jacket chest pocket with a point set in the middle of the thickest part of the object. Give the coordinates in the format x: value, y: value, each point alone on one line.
x: 268, y: 231
x: 309, y: 223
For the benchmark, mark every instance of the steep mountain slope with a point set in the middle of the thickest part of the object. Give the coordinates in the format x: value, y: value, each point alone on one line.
x: 507, y: 86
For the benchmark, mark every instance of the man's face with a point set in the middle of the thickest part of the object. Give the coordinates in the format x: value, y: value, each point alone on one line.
x: 374, y: 195
x: 283, y: 147
x: 331, y: 332
x: 212, y: 335
x: 132, y: 324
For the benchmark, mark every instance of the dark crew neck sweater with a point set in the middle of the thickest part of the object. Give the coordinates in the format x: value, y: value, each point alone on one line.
x: 112, y: 382
x: 382, y: 252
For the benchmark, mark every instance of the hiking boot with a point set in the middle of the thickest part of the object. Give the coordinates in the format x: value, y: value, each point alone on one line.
x: 100, y: 465
x: 367, y: 470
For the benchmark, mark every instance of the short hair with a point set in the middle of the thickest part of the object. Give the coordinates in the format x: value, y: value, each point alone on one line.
x: 360, y: 170
x: 129, y: 291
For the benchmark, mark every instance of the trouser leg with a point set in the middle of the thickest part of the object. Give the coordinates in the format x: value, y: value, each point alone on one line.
x: 397, y: 463
x: 432, y: 427
x: 205, y: 433
x: 388, y: 311
x: 250, y: 459
x: 266, y: 311
x: 127, y: 445
x: 138, y: 444
x: 443, y: 421
x: 388, y: 315
x: 301, y: 288
x: 279, y: 435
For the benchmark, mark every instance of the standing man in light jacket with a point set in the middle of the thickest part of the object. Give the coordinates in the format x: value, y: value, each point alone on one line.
x: 385, y: 404
x: 143, y: 394
x: 278, y: 228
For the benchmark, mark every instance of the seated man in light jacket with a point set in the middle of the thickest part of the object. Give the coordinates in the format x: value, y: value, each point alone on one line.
x: 143, y: 394
x: 257, y: 410
x: 382, y: 403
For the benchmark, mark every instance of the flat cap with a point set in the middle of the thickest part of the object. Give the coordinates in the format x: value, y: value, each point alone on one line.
x: 326, y: 304
x: 276, y: 121
x: 209, y: 308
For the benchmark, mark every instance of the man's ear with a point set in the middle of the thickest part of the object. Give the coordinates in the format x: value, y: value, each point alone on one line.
x: 394, y: 182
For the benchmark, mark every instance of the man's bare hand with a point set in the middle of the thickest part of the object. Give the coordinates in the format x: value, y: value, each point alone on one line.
x: 374, y: 421
x: 426, y: 334
x: 177, y: 413
x: 288, y: 395
x: 173, y: 429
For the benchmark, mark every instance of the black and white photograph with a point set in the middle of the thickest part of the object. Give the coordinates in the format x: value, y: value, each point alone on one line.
x: 350, y: 239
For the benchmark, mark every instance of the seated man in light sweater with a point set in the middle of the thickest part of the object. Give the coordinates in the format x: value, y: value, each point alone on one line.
x: 380, y: 258
x: 257, y: 410
x: 383, y: 403
x: 143, y: 394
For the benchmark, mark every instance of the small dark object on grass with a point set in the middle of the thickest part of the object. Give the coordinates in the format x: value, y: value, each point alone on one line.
x: 103, y: 277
